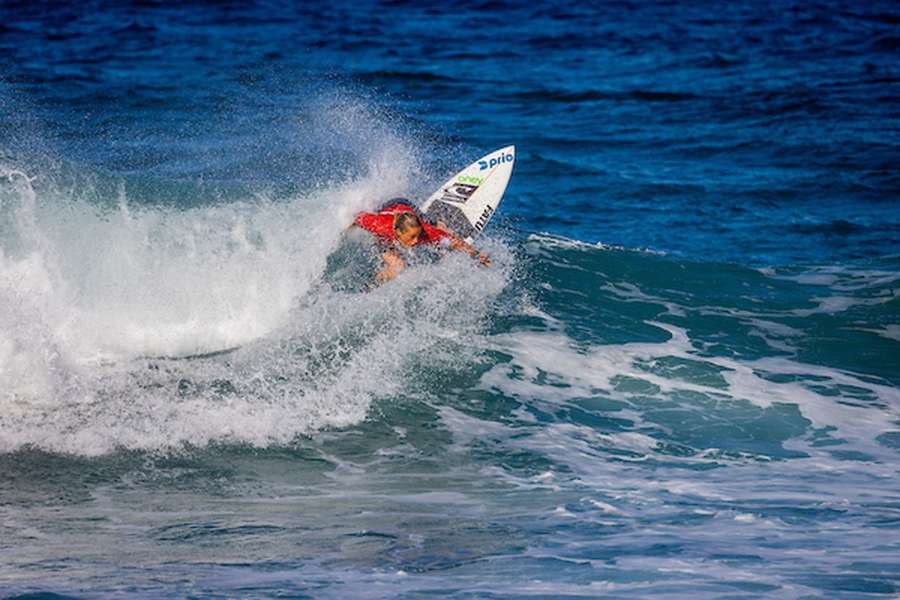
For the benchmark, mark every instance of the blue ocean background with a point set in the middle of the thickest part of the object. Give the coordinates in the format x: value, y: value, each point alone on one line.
x: 680, y: 377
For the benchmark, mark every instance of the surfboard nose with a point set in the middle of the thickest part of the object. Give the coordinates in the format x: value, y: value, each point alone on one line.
x: 468, y: 200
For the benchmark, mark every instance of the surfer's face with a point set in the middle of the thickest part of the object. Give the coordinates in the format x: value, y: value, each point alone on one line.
x: 410, y: 236
x: 407, y: 229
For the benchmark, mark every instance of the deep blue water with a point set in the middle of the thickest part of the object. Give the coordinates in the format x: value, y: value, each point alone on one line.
x: 680, y: 376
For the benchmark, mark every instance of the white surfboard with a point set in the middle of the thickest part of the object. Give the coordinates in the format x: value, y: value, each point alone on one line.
x: 468, y: 200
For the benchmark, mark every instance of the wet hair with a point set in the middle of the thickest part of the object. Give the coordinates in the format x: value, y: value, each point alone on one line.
x: 405, y: 220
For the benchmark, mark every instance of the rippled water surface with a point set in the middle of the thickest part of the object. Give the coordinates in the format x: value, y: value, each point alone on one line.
x: 680, y: 377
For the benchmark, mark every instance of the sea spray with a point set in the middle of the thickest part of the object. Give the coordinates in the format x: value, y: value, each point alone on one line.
x: 153, y: 327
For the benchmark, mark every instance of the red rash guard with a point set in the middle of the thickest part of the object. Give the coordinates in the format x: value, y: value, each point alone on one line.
x: 382, y: 224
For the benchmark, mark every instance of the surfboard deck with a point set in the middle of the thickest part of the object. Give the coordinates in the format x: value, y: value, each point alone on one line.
x: 468, y: 200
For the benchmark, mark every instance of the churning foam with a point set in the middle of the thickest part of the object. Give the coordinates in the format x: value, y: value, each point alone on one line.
x: 98, y: 303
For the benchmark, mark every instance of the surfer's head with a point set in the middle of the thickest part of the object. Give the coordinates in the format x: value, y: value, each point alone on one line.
x: 407, y: 229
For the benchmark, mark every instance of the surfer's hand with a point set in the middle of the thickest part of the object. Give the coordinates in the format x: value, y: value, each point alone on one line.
x: 484, y: 259
x: 393, y: 264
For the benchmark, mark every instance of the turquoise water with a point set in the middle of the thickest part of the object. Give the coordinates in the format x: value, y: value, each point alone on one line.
x: 679, y: 377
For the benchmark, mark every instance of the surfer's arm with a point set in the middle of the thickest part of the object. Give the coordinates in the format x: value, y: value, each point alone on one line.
x: 456, y: 243
x: 393, y: 264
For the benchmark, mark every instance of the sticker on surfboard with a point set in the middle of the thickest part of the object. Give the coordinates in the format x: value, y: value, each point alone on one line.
x: 468, y: 200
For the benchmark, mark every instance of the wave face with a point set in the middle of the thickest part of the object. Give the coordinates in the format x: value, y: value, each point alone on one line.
x: 680, y: 376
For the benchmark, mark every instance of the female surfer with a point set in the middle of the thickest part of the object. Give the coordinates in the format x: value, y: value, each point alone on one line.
x: 397, y: 223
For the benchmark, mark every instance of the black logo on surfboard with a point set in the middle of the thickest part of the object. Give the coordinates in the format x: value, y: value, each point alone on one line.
x: 457, y: 193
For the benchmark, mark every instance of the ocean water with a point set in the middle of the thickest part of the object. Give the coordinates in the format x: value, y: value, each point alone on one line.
x: 680, y: 377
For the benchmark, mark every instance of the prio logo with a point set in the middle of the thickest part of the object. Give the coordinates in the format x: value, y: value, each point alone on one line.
x: 494, y: 161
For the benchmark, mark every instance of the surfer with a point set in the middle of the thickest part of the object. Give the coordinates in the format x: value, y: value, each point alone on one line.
x: 398, y: 226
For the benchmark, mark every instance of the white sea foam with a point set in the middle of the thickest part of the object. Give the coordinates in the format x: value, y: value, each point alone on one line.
x: 842, y: 278
x: 98, y: 302
x: 835, y: 304
x: 549, y: 240
x: 548, y: 367
x: 890, y: 332
x: 630, y: 292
